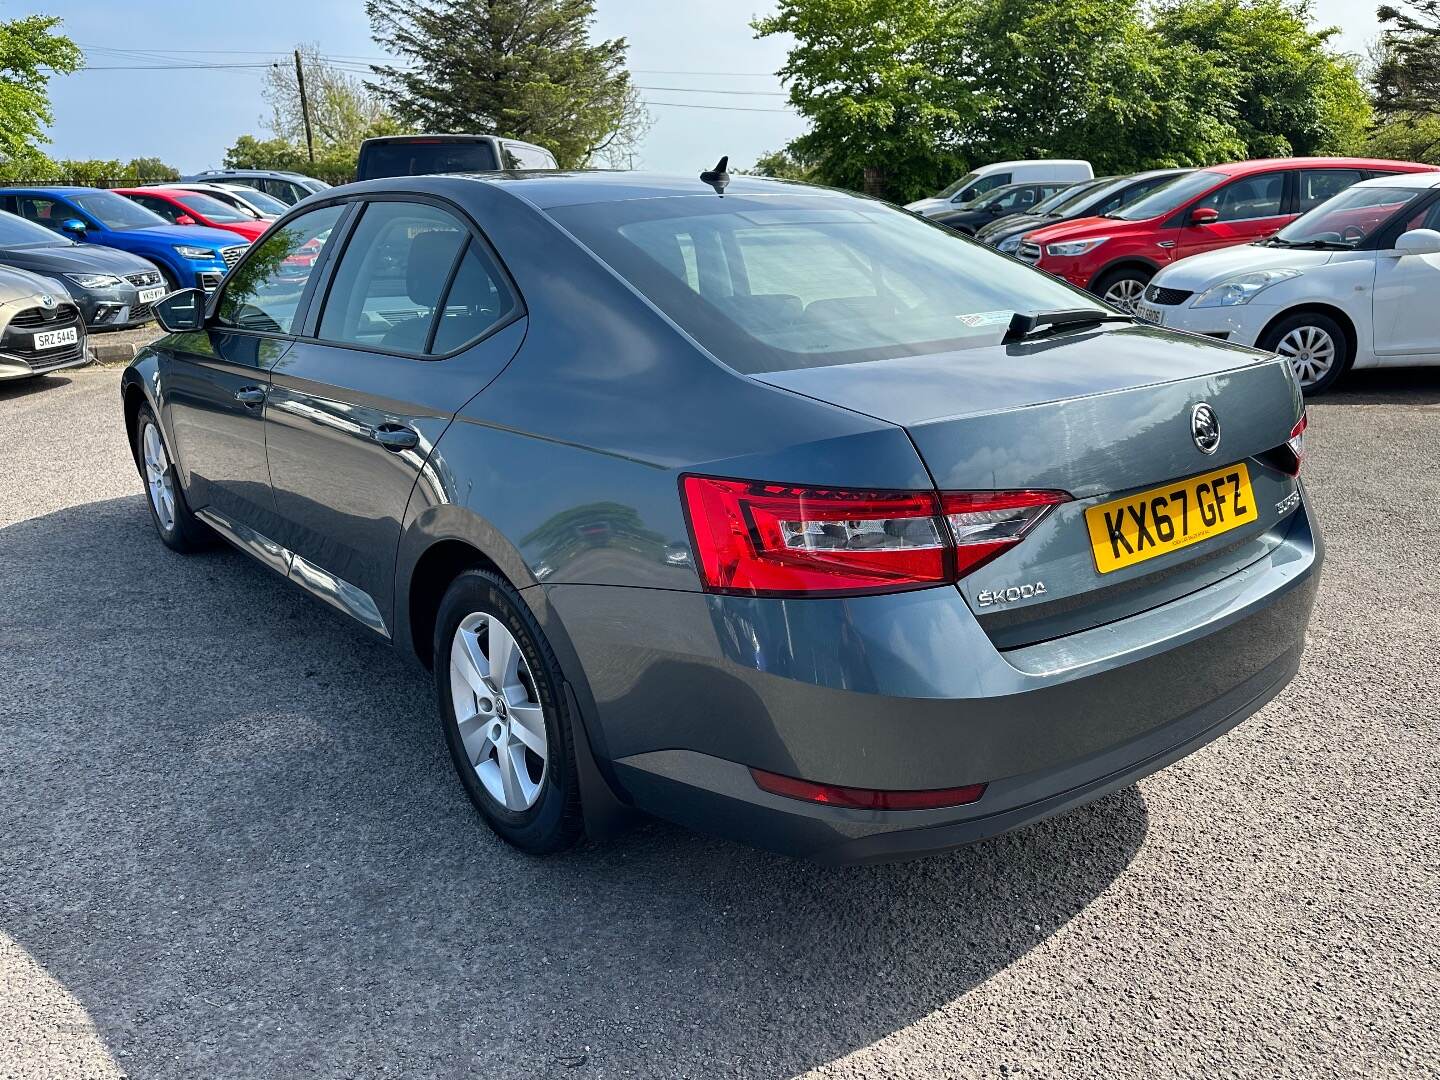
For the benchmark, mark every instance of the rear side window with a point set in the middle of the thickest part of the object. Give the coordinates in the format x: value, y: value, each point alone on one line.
x: 397, y: 265
x: 519, y: 156
x: 1317, y: 185
x: 264, y: 291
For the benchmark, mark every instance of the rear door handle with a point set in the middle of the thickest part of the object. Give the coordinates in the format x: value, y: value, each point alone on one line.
x: 250, y: 395
x: 396, y: 438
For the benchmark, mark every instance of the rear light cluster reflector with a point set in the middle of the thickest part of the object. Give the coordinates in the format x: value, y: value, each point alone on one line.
x: 1296, y: 443
x: 758, y: 539
x: 865, y: 798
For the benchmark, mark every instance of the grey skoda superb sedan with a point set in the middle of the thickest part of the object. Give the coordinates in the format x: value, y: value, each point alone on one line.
x: 764, y: 508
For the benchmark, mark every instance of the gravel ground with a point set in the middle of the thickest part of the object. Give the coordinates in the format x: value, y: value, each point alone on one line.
x: 231, y: 844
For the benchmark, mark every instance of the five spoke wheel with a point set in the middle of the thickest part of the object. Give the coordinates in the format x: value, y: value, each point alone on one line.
x: 501, y: 722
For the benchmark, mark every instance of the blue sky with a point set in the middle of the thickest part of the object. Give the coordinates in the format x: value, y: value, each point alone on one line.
x: 189, y: 117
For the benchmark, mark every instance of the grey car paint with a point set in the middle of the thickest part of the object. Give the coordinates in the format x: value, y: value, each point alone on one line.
x: 553, y: 449
x: 110, y: 307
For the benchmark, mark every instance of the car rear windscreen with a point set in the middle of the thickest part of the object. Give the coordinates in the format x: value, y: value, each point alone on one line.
x: 425, y: 158
x: 772, y: 283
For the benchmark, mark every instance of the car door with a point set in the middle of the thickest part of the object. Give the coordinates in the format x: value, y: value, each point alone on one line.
x: 417, y: 318
x: 1248, y: 207
x: 215, y: 380
x: 1406, y: 319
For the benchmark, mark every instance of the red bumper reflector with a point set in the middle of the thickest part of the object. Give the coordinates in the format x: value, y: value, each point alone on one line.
x: 865, y: 798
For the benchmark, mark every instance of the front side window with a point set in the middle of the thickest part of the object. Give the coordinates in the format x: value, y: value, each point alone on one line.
x: 1248, y: 198
x: 42, y: 211
x: 264, y: 291
x: 211, y: 209
x: 981, y: 186
x: 1169, y: 197
x: 158, y: 206
x: 769, y: 283
x: 1317, y: 185
x: 388, y: 284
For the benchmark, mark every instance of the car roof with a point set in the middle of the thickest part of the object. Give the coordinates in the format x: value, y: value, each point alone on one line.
x: 1417, y: 180
x: 547, y: 188
x: 1242, y: 168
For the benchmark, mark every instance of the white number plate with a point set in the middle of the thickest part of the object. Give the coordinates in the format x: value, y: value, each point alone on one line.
x: 1150, y: 314
x: 149, y: 296
x: 53, y: 339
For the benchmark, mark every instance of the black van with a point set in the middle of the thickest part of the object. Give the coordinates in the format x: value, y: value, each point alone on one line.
x: 425, y: 155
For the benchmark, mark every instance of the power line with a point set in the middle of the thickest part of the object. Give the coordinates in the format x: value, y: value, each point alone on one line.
x: 716, y: 108
x: 703, y: 90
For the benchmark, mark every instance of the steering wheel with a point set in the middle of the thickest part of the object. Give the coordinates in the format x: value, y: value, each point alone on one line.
x: 1353, y: 232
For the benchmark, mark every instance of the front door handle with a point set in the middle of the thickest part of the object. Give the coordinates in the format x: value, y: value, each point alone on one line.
x: 250, y: 395
x: 396, y: 438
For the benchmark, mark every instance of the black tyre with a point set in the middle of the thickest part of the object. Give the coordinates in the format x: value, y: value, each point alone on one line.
x: 1316, y: 346
x: 504, y: 714
x: 1123, y: 288
x: 177, y: 527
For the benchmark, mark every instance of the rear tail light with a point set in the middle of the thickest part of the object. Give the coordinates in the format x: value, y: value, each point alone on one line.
x: 756, y: 539
x: 1296, y: 443
x: 865, y: 798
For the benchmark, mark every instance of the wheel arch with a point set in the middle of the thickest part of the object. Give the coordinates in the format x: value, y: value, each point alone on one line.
x: 1125, y: 262
x: 133, y: 394
x: 1341, y: 317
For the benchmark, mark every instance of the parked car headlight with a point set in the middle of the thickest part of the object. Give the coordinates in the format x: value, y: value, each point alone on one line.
x: 1074, y: 247
x: 1009, y: 246
x: 95, y: 281
x: 188, y: 252
x: 1243, y: 289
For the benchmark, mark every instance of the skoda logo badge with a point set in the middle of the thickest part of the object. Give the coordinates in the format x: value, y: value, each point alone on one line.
x: 48, y: 301
x: 1205, y: 428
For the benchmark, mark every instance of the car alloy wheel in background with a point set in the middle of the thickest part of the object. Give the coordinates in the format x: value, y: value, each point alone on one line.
x: 1123, y: 289
x: 1315, y: 346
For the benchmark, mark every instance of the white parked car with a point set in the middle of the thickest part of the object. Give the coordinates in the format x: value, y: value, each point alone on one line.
x: 1353, y: 283
x: 974, y: 184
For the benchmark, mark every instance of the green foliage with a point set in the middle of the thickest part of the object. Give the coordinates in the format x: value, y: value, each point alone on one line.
x: 1407, y: 138
x: 334, y: 163
x: 519, y: 68
x: 783, y: 165
x: 1406, y: 79
x: 910, y: 92
x: 34, y: 167
x: 343, y: 110
x: 30, y: 52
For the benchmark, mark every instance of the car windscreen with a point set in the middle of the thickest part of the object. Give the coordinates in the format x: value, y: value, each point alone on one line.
x: 1169, y: 197
x: 425, y: 158
x: 1348, y: 219
x: 211, y: 208
x: 772, y: 283
x: 116, y: 212
x: 15, y: 231
x: 1070, y: 198
x: 956, y: 186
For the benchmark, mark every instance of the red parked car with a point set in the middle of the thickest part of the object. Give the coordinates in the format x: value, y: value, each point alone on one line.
x: 181, y: 207
x: 1116, y: 255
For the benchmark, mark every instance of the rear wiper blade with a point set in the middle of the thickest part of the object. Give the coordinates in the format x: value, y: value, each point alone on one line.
x: 1024, y: 326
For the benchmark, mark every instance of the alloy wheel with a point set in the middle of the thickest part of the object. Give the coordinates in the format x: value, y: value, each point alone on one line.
x: 159, y: 481
x: 1125, y: 294
x: 1311, y: 352
x: 501, y: 722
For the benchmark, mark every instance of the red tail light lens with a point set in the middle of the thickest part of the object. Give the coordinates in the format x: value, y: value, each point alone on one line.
x: 1296, y: 443
x: 757, y: 539
x: 865, y: 798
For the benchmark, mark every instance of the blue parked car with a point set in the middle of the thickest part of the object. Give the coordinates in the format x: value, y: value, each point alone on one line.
x: 190, y: 256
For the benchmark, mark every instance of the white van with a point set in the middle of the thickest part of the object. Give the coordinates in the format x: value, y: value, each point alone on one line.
x: 974, y: 184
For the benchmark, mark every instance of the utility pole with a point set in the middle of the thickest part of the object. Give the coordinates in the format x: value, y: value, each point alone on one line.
x: 304, y: 108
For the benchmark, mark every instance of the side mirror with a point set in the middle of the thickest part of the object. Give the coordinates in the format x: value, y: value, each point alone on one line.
x: 1418, y: 242
x: 74, y: 226
x: 996, y: 208
x: 1204, y: 215
x: 185, y: 219
x: 181, y: 311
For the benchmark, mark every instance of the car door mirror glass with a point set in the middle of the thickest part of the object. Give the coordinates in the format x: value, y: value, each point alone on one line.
x: 181, y: 311
x: 1418, y: 242
x: 74, y: 226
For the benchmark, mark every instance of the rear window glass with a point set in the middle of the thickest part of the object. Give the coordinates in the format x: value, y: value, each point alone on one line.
x: 426, y: 158
x: 769, y: 283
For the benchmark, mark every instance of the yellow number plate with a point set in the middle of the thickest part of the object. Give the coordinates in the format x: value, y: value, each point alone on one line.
x: 1163, y: 519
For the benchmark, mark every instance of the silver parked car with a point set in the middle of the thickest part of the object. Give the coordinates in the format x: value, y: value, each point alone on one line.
x: 40, y: 327
x: 765, y: 508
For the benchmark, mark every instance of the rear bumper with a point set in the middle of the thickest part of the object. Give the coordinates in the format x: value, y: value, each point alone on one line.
x: 906, y: 692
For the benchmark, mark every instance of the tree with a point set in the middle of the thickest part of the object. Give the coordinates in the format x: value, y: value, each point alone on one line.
x: 783, y: 165
x: 343, y: 110
x: 883, y: 86
x: 30, y: 52
x: 519, y: 68
x: 333, y: 163
x: 1293, y: 95
x: 1406, y: 79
